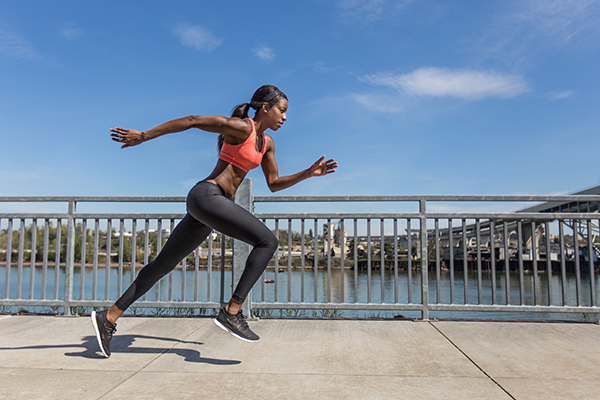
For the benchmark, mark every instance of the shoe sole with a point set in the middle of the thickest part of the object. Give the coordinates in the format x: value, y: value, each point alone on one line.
x: 220, y: 325
x: 97, y: 330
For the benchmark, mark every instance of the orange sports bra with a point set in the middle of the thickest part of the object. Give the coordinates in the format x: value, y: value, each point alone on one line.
x: 244, y: 155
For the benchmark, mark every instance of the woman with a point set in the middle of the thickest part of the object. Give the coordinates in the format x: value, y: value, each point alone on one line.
x: 243, y: 146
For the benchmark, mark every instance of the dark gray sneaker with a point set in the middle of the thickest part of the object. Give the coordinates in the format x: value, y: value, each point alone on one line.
x: 236, y: 325
x: 104, y: 331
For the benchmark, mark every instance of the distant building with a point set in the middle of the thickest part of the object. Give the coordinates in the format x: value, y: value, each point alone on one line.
x: 334, y: 236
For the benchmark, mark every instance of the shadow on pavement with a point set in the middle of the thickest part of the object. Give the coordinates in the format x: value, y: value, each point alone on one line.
x: 125, y: 344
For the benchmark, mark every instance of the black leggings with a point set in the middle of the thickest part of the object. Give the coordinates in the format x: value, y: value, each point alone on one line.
x: 208, y: 209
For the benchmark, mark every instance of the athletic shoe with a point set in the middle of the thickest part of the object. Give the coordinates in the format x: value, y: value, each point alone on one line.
x: 236, y: 325
x: 104, y: 331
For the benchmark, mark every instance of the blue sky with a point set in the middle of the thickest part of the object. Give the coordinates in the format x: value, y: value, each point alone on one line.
x: 410, y: 97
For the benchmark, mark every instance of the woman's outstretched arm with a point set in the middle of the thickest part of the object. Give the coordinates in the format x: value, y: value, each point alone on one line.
x: 276, y: 182
x: 237, y: 127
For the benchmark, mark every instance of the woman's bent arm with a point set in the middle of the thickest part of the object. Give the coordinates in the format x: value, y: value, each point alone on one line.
x: 276, y: 182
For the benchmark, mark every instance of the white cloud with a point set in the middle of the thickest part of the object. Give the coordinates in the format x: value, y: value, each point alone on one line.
x: 369, y: 11
x: 379, y: 102
x: 561, y: 20
x: 197, y: 38
x: 553, y: 96
x: 321, y: 68
x: 363, y: 9
x: 70, y: 31
x: 442, y: 82
x: 528, y: 27
x: 15, y: 47
x: 265, y: 53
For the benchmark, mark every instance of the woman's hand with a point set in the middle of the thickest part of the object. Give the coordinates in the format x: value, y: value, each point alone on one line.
x: 321, y: 168
x: 129, y: 137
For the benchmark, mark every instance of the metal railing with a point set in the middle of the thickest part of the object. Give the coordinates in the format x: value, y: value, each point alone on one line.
x: 340, y: 261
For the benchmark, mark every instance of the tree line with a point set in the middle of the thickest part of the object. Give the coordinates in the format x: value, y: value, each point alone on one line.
x: 90, y: 244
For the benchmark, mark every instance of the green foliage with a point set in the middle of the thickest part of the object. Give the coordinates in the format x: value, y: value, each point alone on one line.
x: 111, y: 243
x: 77, y: 310
x: 329, y: 313
x: 431, y: 250
x: 293, y: 313
x: 28, y: 239
x: 283, y: 238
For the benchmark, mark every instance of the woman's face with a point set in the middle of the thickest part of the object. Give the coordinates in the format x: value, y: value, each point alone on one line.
x: 276, y: 115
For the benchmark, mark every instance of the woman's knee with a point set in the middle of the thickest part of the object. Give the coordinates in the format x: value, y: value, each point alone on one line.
x: 269, y: 242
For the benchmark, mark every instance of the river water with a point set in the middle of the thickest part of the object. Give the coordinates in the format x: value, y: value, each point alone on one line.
x: 337, y: 286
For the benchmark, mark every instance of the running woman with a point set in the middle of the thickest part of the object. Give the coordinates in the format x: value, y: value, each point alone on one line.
x: 243, y: 145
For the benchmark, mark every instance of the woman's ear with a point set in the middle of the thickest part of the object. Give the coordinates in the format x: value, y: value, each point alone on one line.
x: 265, y: 107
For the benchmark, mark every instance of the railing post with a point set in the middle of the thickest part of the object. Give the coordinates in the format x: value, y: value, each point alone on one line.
x: 244, y: 197
x: 424, y: 261
x: 70, y: 258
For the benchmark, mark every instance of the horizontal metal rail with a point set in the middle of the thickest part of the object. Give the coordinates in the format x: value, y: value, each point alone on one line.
x: 318, y: 199
x: 402, y: 215
x: 515, y: 262
x: 92, y: 199
x: 427, y: 198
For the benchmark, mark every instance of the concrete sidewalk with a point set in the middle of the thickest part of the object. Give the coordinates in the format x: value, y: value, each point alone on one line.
x: 45, y: 357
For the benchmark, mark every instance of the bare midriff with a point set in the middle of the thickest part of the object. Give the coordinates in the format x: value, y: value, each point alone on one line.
x: 227, y: 177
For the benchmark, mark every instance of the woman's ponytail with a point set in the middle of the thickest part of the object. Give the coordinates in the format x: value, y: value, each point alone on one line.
x: 241, y: 111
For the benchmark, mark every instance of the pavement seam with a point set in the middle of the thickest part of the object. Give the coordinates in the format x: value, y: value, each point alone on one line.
x: 472, y: 361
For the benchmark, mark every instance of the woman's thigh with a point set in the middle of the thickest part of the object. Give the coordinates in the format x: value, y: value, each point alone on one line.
x: 184, y: 239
